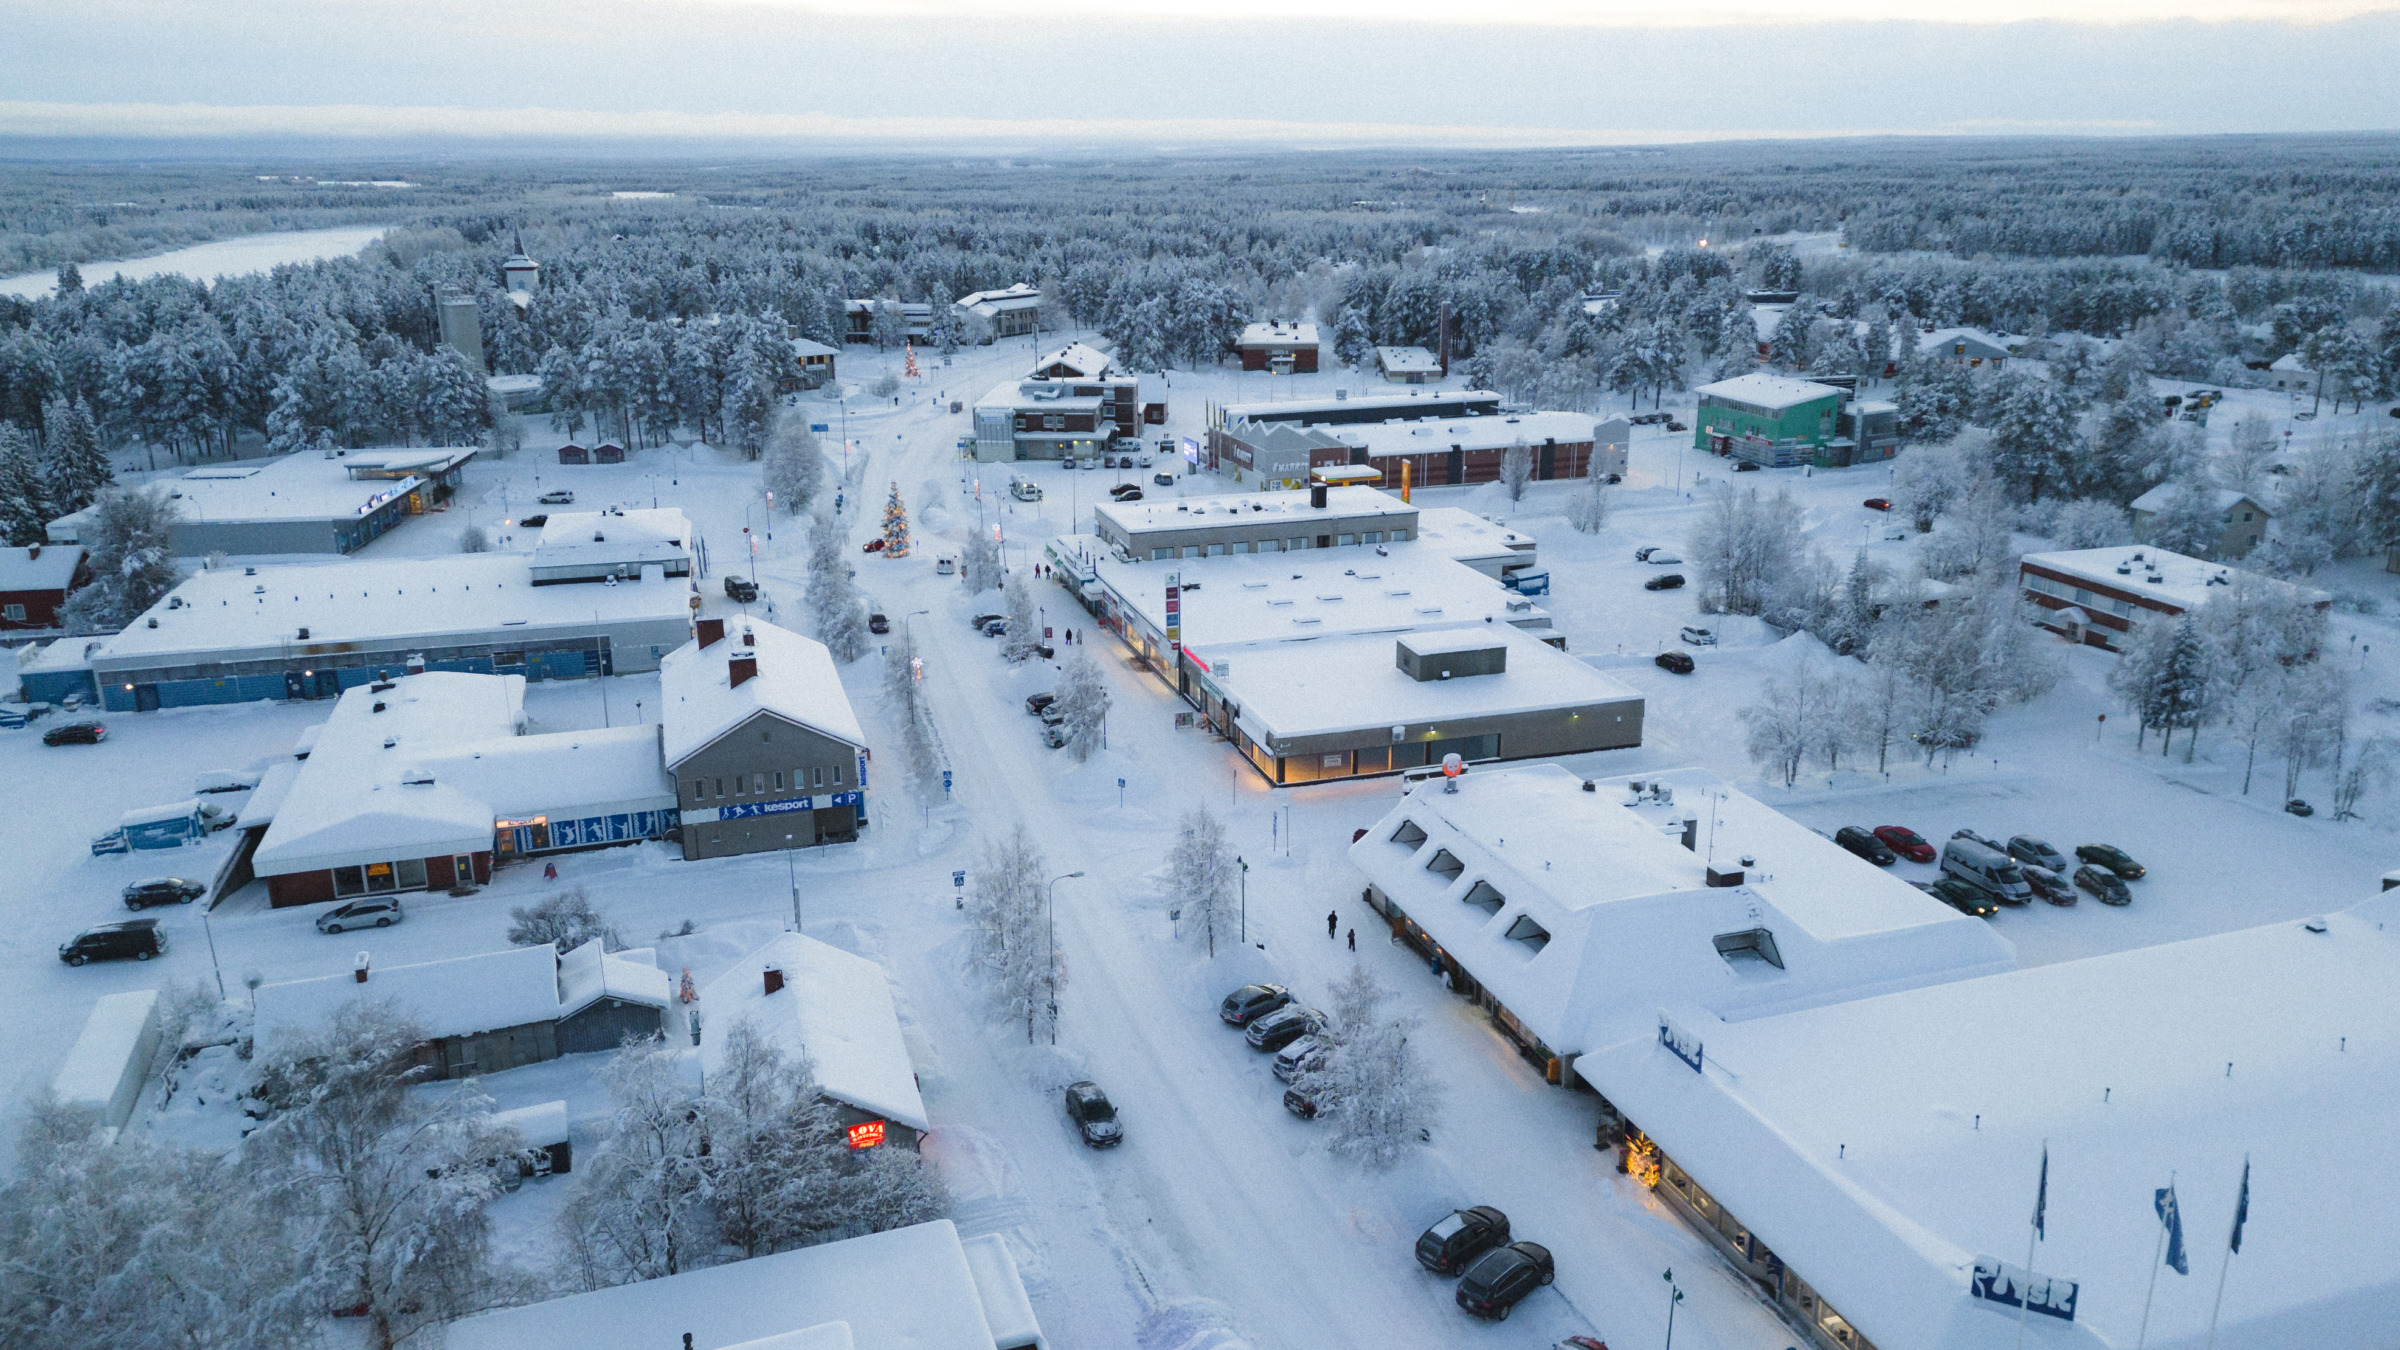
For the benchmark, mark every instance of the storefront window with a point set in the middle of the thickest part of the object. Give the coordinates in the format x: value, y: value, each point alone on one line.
x: 349, y: 881
x: 381, y: 878
x: 411, y: 872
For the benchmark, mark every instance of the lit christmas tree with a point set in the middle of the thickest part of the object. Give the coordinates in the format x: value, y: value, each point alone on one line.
x: 909, y: 350
x: 895, y: 526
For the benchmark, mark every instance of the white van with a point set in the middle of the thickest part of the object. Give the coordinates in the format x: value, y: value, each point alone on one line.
x: 1986, y: 869
x: 1025, y: 489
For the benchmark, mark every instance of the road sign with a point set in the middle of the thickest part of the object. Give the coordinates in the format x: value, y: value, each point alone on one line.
x: 945, y: 782
x: 819, y: 426
x: 959, y: 879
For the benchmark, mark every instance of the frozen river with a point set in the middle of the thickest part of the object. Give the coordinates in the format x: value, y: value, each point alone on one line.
x: 218, y: 258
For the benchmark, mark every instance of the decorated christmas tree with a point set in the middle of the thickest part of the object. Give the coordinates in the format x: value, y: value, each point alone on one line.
x: 895, y: 526
x: 909, y: 350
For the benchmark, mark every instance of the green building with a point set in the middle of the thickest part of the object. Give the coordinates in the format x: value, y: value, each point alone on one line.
x: 1771, y: 420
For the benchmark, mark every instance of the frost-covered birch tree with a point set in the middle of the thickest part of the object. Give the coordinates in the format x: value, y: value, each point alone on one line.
x: 833, y: 600
x: 793, y: 467
x: 1023, y: 640
x: 1203, y: 877
x: 640, y: 1204
x: 1370, y: 1084
x: 979, y: 562
x: 1012, y: 936
x: 1083, y: 698
x: 1516, y: 469
x: 1587, y: 510
x: 131, y: 539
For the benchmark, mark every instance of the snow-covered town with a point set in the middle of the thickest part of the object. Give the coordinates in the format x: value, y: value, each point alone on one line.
x: 1370, y: 756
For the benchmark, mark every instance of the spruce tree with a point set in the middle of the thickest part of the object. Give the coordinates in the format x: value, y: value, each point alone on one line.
x: 25, y: 507
x: 77, y: 463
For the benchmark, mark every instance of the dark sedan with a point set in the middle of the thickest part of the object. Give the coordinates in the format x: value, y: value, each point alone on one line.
x: 1670, y: 582
x: 1906, y: 842
x: 2051, y: 886
x: 1500, y: 1279
x: 2104, y: 885
x: 163, y: 891
x: 76, y: 733
x: 1964, y: 898
x: 2111, y: 857
x: 1094, y: 1116
x: 1283, y: 1026
x: 1863, y: 842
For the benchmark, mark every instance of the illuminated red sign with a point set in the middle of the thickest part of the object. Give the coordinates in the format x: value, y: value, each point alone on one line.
x: 866, y: 1134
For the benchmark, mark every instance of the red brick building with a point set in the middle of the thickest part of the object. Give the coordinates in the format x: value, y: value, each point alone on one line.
x: 35, y: 581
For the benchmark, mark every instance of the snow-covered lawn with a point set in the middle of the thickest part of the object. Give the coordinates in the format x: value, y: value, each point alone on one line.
x: 1221, y: 1221
x: 207, y: 262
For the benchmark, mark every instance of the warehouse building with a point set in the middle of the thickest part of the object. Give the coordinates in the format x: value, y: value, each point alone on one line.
x: 1873, y: 1164
x: 239, y: 634
x: 761, y: 742
x: 1285, y: 348
x: 1423, y: 452
x: 336, y: 502
x: 1769, y: 420
x: 1345, y: 408
x: 427, y: 781
x: 1408, y: 365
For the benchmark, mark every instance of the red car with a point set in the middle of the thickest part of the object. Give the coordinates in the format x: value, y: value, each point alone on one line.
x: 873, y: 546
x: 1879, y: 503
x: 1906, y: 842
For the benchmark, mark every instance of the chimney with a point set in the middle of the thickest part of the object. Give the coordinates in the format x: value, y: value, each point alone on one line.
x: 1316, y: 495
x: 740, y: 670
x: 774, y: 978
x: 358, y: 968
x: 749, y: 638
x: 32, y: 551
x: 1717, y: 878
x: 710, y: 632
x: 1691, y: 833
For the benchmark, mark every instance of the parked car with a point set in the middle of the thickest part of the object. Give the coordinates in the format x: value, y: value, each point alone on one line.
x: 1251, y: 1001
x: 1283, y: 1026
x: 1698, y: 637
x: 137, y: 938
x: 1878, y: 503
x: 2027, y: 849
x: 1643, y: 554
x: 994, y: 627
x: 1993, y: 844
x: 1052, y: 714
x: 1906, y: 842
x: 1300, y: 1103
x: 561, y: 497
x: 163, y: 891
x: 533, y: 522
x: 1053, y: 736
x: 381, y: 911
x: 2049, y: 885
x: 1677, y: 662
x: 1962, y: 897
x: 1298, y: 1058
x: 1660, y: 557
x: 1501, y: 1278
x: 1861, y: 841
x: 1089, y: 1108
x: 1987, y: 869
x: 1674, y: 425
x: 1130, y: 494
x: 2299, y: 808
x: 75, y: 733
x: 1163, y: 479
x: 2104, y: 885
x: 1672, y: 581
x: 1747, y: 466
x: 980, y: 620
x: 1066, y: 462
x: 872, y: 546
x: 879, y: 623
x: 2111, y: 857
x: 1447, y: 1247
x: 1044, y: 650
x: 742, y: 589
x: 1034, y: 703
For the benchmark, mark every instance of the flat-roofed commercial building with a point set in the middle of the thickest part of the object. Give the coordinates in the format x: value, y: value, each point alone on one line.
x: 1035, y: 418
x: 2099, y: 596
x: 1286, y: 348
x: 1771, y: 420
x: 302, y: 503
x: 1419, y: 452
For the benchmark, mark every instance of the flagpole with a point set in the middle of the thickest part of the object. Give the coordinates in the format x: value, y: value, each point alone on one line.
x: 2041, y: 1202
x: 2233, y: 1243
x: 2224, y: 1268
x: 2156, y: 1255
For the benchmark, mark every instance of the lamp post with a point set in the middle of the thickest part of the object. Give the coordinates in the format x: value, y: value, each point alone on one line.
x: 792, y: 871
x: 1052, y: 891
x: 1675, y: 1296
x: 753, y: 540
x: 1245, y: 901
x: 214, y: 968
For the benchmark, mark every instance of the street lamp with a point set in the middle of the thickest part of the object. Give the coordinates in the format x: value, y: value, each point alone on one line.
x: 793, y: 872
x: 1675, y: 1296
x: 218, y: 970
x: 1245, y: 901
x: 1052, y: 891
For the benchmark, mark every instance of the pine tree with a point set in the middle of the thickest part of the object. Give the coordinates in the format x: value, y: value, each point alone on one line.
x: 25, y: 506
x: 895, y: 525
x: 76, y: 464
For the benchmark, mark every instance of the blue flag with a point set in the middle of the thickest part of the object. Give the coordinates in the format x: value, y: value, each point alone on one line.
x: 2041, y: 1196
x: 2171, y: 1214
x: 2241, y: 1208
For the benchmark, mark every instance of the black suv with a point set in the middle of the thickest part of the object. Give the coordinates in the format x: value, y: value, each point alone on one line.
x: 741, y: 589
x: 1447, y: 1247
x: 1089, y: 1108
x: 2101, y: 855
x: 137, y: 938
x: 163, y: 891
x: 1500, y: 1279
x: 1252, y: 1001
x: 1859, y: 841
x: 1283, y: 1026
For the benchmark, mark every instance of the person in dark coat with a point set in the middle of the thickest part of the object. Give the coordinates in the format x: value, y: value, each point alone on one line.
x: 1354, y: 939
x: 1333, y: 920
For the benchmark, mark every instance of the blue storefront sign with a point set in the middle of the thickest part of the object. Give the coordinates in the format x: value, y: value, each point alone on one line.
x: 788, y: 804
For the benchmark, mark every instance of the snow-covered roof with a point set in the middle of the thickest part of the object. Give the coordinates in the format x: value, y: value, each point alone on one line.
x: 39, y: 567
x: 1279, y: 334
x: 1974, y: 338
x: 1314, y: 593
x: 588, y: 974
x: 1354, y: 507
x: 540, y: 1125
x: 2183, y: 583
x: 1006, y: 1309
x: 1881, y: 1186
x: 237, y: 610
x: 1084, y: 360
x: 589, y: 539
x: 303, y: 486
x: 2224, y: 499
x: 596, y: 771
x: 455, y: 997
x: 834, y: 1009
x: 2289, y: 363
x: 1383, y: 439
x: 1627, y: 912
x: 1030, y: 394
x: 829, y: 1336
x: 1344, y: 684
x: 1765, y: 319
x: 904, y: 1289
x: 1870, y: 407
x: 274, y: 786
x: 1761, y: 390
x: 808, y: 347
x: 514, y: 384
x: 988, y: 303
x: 1398, y: 403
x: 1407, y: 361
x: 795, y: 681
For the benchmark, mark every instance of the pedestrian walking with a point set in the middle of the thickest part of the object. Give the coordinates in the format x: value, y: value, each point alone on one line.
x: 1354, y: 939
x: 1333, y: 921
x: 549, y: 871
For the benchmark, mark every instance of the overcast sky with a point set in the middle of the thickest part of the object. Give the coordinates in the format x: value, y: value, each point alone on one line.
x: 1184, y: 71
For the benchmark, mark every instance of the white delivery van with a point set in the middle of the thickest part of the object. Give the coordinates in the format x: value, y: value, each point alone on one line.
x: 1986, y: 869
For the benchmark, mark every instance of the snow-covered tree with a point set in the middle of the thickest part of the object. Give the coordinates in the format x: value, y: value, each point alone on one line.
x: 1023, y: 640
x: 793, y: 467
x: 393, y: 1183
x: 1809, y: 711
x: 503, y: 435
x: 473, y: 540
x: 74, y: 462
x: 2371, y: 769
x: 771, y: 1137
x: 1083, y: 698
x: 1352, y: 344
x: 2088, y: 523
x: 1928, y: 478
x: 2314, y: 718
x: 904, y: 689
x: 25, y: 505
x: 979, y: 562
x: 1007, y: 906
x: 130, y: 540
x: 566, y: 920
x: 1516, y: 469
x: 1743, y: 546
x: 1975, y: 535
x: 1203, y: 878
x: 834, y: 604
x: 1370, y: 1085
x: 1587, y: 509
x: 639, y: 1207
x: 2033, y: 433
x: 2190, y: 522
